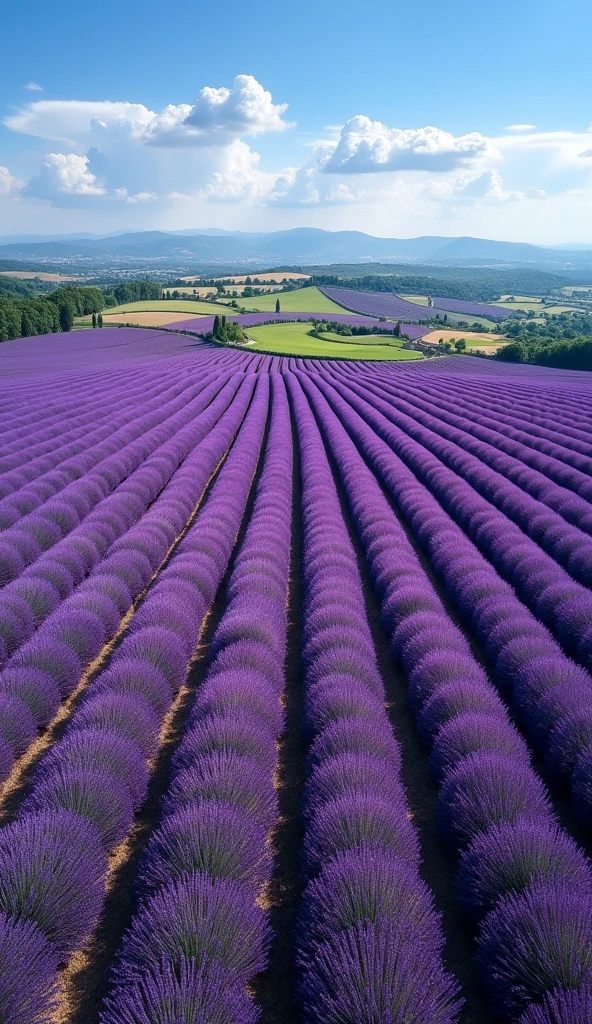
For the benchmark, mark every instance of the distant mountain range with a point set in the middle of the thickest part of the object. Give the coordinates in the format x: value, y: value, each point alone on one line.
x: 299, y: 246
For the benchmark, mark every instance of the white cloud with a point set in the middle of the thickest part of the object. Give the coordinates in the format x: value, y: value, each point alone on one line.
x: 9, y: 186
x: 487, y: 185
x: 219, y: 116
x: 142, y: 197
x: 72, y: 121
x: 33, y: 87
x: 63, y: 176
x: 122, y: 159
x: 367, y: 146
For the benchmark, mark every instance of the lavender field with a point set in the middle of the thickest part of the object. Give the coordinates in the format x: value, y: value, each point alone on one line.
x: 393, y: 306
x: 295, y: 692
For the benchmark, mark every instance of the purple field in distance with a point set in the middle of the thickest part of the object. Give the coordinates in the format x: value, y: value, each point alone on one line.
x: 393, y: 306
x: 491, y: 312
x: 204, y: 325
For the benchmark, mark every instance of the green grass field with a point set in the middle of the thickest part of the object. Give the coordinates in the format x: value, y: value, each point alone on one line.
x: 303, y: 300
x: 167, y: 306
x: 294, y: 340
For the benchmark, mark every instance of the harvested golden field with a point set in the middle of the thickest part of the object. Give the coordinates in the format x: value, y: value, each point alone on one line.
x: 278, y: 275
x: 472, y: 338
x: 25, y: 275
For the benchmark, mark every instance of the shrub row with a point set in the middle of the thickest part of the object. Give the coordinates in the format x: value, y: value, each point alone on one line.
x: 205, y: 866
x: 521, y: 879
x: 370, y: 940
x: 550, y: 695
x: 46, y: 668
x: 88, y: 787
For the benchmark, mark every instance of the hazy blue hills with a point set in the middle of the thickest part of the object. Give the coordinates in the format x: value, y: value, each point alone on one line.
x: 298, y: 246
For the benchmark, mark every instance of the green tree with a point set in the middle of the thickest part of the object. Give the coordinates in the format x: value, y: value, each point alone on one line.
x: 66, y: 317
x: 513, y: 353
x: 397, y: 330
x: 216, y: 327
x: 460, y: 345
x: 100, y: 319
x: 277, y: 305
x: 94, y: 320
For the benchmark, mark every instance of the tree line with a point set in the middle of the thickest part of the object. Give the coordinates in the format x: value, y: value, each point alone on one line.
x: 572, y: 354
x: 470, y: 284
x: 23, y: 317
x: 131, y: 291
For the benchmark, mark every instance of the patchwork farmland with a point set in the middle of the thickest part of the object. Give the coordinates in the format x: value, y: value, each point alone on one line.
x: 295, y: 685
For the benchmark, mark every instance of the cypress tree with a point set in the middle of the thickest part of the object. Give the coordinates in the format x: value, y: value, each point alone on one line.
x: 277, y: 305
x: 66, y: 317
x: 94, y: 320
x: 216, y: 328
x: 100, y: 319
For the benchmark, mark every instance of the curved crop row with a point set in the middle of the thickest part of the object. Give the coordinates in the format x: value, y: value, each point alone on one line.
x: 92, y: 781
x: 550, y: 695
x: 521, y: 879
x: 46, y: 669
x: 206, y: 864
x: 87, y: 484
x: 370, y: 939
x: 550, y: 459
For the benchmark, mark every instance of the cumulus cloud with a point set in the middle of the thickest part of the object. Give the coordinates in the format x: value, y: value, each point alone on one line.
x: 122, y: 158
x: 367, y: 146
x: 488, y: 185
x: 9, y: 186
x: 218, y: 116
x: 33, y: 87
x: 63, y: 176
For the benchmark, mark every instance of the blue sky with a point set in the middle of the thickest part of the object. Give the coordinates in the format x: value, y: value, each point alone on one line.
x: 399, y: 119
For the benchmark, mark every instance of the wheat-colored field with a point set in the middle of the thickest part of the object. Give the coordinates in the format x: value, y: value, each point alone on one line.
x: 278, y: 275
x: 25, y: 275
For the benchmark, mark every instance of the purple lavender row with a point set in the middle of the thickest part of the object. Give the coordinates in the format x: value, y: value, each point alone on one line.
x: 549, y: 694
x: 209, y: 859
x: 68, y: 515
x: 46, y: 669
x: 561, y: 603
x: 542, y: 412
x: 370, y: 941
x: 538, y: 420
x: 147, y: 464
x: 544, y: 521
x: 85, y: 480
x: 87, y: 788
x: 521, y: 880
x: 487, y: 424
x: 36, y: 435
x: 510, y: 458
x: 64, y: 435
x: 113, y: 395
